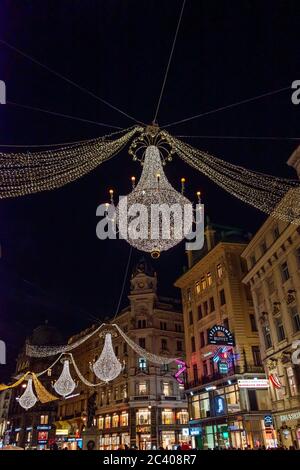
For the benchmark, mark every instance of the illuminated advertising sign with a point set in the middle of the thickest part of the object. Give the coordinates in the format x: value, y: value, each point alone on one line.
x: 223, y: 367
x: 268, y: 419
x: 220, y: 335
x: 219, y: 405
x: 253, y: 383
x: 195, y: 431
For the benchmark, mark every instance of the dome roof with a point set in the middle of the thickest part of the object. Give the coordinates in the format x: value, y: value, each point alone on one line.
x: 46, y: 335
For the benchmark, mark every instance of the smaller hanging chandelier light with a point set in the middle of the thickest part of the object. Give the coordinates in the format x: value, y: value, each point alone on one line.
x: 28, y: 399
x: 107, y: 367
x: 65, y: 385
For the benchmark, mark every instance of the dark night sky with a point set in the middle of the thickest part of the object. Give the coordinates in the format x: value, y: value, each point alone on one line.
x: 53, y: 266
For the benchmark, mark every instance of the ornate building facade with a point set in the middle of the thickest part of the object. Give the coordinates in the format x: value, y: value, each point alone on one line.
x: 227, y: 389
x: 273, y: 261
x: 145, y: 405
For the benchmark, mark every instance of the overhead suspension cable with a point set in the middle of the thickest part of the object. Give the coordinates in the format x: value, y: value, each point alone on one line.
x: 222, y: 108
x: 68, y: 116
x: 169, y: 62
x: 237, y: 137
x: 81, y: 88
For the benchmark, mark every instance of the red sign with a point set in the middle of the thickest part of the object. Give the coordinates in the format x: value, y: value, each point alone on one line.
x: 42, y: 435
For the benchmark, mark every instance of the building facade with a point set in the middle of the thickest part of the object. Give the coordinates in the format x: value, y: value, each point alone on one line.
x: 4, y: 420
x: 145, y: 406
x: 227, y: 387
x: 273, y: 261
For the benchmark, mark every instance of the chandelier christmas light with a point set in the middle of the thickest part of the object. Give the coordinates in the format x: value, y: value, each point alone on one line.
x: 28, y: 399
x: 107, y: 367
x: 153, y: 191
x: 65, y: 385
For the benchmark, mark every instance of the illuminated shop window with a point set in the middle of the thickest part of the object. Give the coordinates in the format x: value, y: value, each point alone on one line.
x: 107, y: 422
x: 44, y: 419
x: 182, y: 417
x: 142, y: 388
x: 124, y: 418
x: 143, y: 416
x: 100, y: 422
x: 115, y: 421
x: 167, y: 416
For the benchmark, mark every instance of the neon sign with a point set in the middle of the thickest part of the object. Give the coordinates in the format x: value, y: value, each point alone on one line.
x: 181, y: 369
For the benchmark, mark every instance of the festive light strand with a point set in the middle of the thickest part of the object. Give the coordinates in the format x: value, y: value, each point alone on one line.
x: 27, y: 173
x: 272, y: 195
x: 142, y: 352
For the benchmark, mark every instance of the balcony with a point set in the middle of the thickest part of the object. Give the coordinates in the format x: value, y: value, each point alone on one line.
x: 248, y: 369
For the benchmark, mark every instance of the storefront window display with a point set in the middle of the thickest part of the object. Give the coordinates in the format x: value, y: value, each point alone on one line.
x: 107, y: 422
x: 167, y: 416
x: 100, y: 422
x: 168, y: 439
x: 182, y: 417
x: 115, y: 421
x: 143, y: 416
x: 124, y: 418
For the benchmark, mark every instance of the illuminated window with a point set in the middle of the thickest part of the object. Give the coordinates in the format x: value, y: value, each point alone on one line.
x: 115, y: 421
x: 142, y: 388
x: 142, y: 363
x: 182, y: 417
x: 209, y: 279
x: 108, y: 397
x: 167, y: 416
x: 49, y: 372
x: 143, y: 416
x: 166, y: 389
x: 124, y: 419
x: 219, y: 270
x: 198, y: 289
x: 100, y: 422
x: 44, y: 419
x: 203, y: 283
x: 107, y: 422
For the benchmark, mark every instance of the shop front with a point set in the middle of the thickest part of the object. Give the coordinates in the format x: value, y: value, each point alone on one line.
x: 288, y: 428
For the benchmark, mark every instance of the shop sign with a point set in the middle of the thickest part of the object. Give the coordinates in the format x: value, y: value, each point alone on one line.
x: 223, y: 367
x: 195, y: 431
x: 253, y: 383
x: 185, y: 431
x: 61, y: 432
x: 42, y: 442
x: 43, y: 428
x: 29, y: 428
x: 268, y: 419
x: 290, y: 416
x: 17, y: 429
x: 42, y: 436
x: 220, y: 335
x: 233, y: 427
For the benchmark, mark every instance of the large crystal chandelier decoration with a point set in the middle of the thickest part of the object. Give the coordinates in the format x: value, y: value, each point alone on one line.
x: 152, y: 148
x: 28, y: 399
x: 107, y: 367
x: 65, y: 385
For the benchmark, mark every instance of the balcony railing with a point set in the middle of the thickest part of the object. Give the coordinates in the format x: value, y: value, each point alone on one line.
x: 205, y: 379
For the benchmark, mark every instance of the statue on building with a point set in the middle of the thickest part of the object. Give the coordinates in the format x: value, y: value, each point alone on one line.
x: 91, y: 409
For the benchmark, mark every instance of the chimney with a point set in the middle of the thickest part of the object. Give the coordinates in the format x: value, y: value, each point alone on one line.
x: 294, y: 160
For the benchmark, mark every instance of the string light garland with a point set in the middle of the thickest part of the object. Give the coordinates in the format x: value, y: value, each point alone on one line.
x: 65, y: 385
x: 26, y: 173
x: 143, y: 352
x: 272, y: 195
x: 107, y: 367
